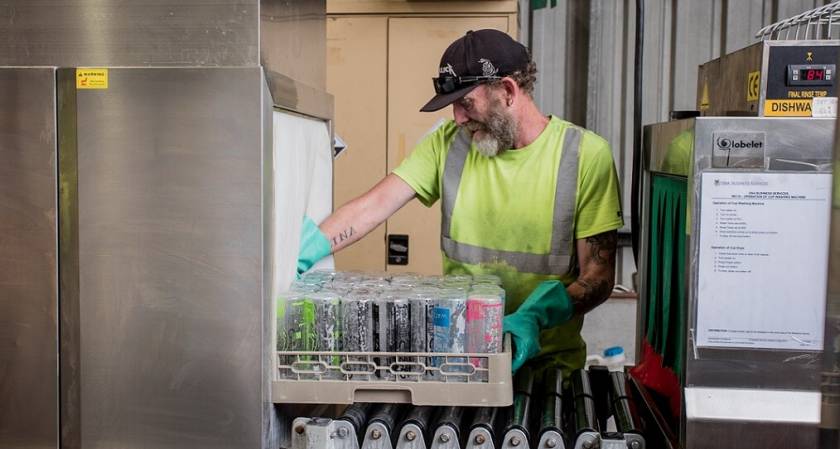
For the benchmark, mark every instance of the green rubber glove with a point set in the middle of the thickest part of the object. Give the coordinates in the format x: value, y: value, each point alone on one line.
x: 547, y: 306
x: 314, y: 246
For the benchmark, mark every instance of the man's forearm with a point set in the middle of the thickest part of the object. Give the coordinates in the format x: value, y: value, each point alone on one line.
x: 597, y: 277
x: 357, y: 218
x: 586, y: 294
x: 348, y: 224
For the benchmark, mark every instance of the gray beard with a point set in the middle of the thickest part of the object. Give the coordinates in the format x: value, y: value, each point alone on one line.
x: 499, y: 133
x: 488, y: 145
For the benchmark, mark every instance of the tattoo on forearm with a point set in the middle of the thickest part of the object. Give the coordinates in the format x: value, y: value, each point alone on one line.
x: 602, y: 247
x: 342, y: 236
x: 594, y: 292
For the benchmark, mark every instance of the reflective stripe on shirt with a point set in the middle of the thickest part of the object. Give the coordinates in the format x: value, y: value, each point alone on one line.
x: 559, y: 259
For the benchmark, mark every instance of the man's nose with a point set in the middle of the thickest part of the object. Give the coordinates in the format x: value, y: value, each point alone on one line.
x: 460, y: 114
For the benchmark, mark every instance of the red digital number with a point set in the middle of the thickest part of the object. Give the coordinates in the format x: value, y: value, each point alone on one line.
x: 809, y: 75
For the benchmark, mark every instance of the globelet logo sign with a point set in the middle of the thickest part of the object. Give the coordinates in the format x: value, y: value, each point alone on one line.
x: 738, y: 149
x: 755, y: 141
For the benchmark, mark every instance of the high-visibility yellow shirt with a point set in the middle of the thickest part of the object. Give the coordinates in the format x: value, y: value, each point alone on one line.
x: 506, y: 203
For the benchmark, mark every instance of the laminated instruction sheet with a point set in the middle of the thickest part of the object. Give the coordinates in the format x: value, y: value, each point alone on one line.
x: 763, y: 260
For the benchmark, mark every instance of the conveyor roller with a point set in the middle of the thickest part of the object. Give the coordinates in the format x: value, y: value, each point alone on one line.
x: 414, y: 428
x: 483, y: 428
x: 551, y: 434
x: 448, y: 428
x: 585, y: 422
x: 380, y: 427
x: 517, y: 433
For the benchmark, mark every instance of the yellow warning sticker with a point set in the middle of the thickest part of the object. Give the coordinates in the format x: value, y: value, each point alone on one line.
x: 91, y: 78
x: 787, y: 108
x: 753, y: 80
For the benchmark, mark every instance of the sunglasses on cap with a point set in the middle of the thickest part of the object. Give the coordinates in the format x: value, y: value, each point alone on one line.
x: 449, y: 84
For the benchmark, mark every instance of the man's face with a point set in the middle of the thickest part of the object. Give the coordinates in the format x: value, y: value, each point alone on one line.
x: 484, y: 114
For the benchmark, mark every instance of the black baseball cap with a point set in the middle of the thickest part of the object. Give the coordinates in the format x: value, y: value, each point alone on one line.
x: 477, y: 57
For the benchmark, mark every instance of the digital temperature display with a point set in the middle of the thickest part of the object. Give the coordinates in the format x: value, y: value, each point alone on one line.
x: 812, y: 74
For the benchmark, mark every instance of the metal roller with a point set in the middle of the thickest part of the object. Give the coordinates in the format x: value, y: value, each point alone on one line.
x: 482, y: 430
x: 625, y: 419
x: 584, y: 403
x: 387, y: 414
x: 380, y: 427
x: 551, y: 434
x: 414, y: 427
x: 585, y: 424
x: 517, y: 434
x: 624, y: 412
x: 357, y: 416
x: 448, y: 428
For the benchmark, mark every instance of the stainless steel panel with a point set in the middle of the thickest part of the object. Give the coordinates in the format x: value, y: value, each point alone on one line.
x: 658, y: 147
x: 275, y: 427
x: 28, y: 260
x: 170, y: 263
x: 134, y: 33
x: 293, y: 39
x: 831, y: 357
x: 797, y: 139
x: 739, y: 434
x: 291, y: 95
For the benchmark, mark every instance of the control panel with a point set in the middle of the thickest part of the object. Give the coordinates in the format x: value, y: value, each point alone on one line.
x: 811, y: 75
x: 801, y: 79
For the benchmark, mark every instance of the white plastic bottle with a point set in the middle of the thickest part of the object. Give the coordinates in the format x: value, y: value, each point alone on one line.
x: 614, y: 358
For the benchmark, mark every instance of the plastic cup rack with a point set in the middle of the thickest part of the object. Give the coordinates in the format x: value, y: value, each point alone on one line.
x: 311, y: 377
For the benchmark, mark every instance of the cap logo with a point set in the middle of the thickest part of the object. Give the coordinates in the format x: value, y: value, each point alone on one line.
x: 447, y: 69
x: 487, y: 67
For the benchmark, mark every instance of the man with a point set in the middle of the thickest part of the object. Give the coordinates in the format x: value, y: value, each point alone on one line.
x: 530, y: 198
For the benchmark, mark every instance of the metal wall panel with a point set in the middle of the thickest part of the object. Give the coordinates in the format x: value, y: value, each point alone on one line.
x: 697, y: 39
x: 742, y: 20
x: 135, y: 33
x: 293, y: 39
x: 548, y: 47
x: 168, y: 309
x: 28, y: 260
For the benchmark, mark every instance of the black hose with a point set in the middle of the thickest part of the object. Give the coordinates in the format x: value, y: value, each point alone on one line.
x: 635, y: 193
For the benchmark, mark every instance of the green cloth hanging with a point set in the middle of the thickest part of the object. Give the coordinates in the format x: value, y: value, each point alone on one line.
x: 665, y: 327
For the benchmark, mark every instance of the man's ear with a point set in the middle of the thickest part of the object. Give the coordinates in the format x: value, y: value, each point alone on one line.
x: 511, y: 89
